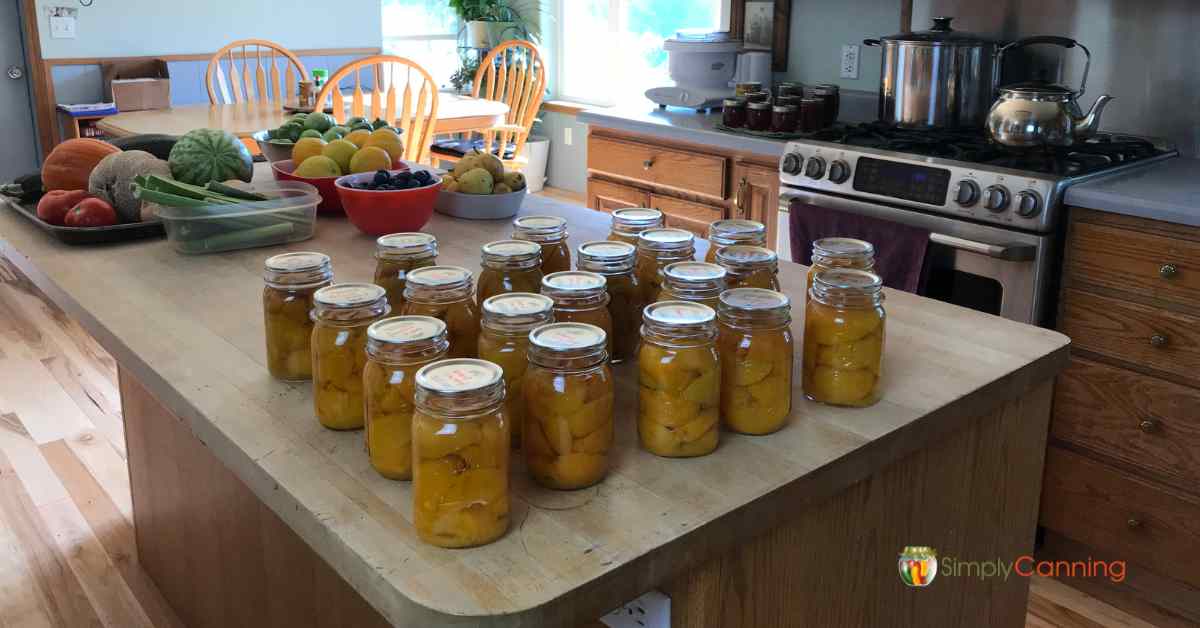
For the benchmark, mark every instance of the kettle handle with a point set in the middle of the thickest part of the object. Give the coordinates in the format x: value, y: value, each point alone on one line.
x: 1065, y: 42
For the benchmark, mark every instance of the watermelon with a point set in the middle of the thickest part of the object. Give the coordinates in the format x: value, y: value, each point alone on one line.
x: 204, y: 155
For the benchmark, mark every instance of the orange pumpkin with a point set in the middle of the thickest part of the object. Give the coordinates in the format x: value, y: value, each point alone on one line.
x: 70, y: 163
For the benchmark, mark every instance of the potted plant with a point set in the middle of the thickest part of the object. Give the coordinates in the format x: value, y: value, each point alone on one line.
x: 490, y: 22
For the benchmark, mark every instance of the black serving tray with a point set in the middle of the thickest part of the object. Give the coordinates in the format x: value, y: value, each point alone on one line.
x: 91, y: 235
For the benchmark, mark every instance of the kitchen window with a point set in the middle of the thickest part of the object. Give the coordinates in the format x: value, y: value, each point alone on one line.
x: 610, y: 52
x: 425, y: 31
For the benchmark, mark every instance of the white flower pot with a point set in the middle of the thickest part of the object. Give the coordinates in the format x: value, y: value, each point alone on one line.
x: 479, y: 34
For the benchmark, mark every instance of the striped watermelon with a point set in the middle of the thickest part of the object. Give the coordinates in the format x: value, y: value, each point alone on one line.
x: 204, y: 155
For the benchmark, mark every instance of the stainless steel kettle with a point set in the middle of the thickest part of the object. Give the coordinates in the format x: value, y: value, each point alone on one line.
x: 1042, y: 114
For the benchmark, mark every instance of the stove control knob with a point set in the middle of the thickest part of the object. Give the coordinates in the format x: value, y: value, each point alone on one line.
x: 792, y: 164
x: 1029, y: 204
x: 966, y: 193
x: 996, y: 198
x: 815, y: 168
x: 839, y: 171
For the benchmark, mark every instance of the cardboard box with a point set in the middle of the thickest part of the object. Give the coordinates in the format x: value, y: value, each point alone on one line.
x: 137, y: 85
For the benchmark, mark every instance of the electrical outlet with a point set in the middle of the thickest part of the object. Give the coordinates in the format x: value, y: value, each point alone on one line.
x: 567, y: 138
x: 849, y: 66
x: 62, y: 27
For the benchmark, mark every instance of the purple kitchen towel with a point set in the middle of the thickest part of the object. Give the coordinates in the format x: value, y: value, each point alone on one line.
x: 899, y: 248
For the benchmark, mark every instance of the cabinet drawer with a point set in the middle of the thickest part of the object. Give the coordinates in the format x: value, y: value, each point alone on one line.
x: 1146, y: 336
x: 1129, y: 518
x: 1140, y: 420
x: 681, y: 214
x: 606, y: 196
x: 1152, y: 265
x: 696, y: 173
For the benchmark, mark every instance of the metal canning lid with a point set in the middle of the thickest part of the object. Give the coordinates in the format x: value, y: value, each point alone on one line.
x: 693, y: 272
x: 842, y: 248
x: 405, y: 244
x: 439, y: 277
x: 746, y: 255
x: 406, y: 329
x: 737, y: 229
x: 511, y: 251
x: 539, y: 225
x: 759, y: 104
x: 349, y: 295
x: 462, y: 375
x: 300, y: 261
x: 666, y: 239
x: 779, y: 108
x: 678, y: 313
x: 517, y: 304
x: 752, y: 300
x: 634, y: 217
x: 848, y: 287
x: 573, y: 283
x: 568, y: 337
x: 607, y: 251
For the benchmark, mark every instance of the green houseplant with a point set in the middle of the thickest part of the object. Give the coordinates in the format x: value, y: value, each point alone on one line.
x: 490, y: 22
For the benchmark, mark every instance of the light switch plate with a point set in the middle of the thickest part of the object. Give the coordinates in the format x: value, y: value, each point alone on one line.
x: 62, y: 27
x: 568, y: 138
x: 849, y: 66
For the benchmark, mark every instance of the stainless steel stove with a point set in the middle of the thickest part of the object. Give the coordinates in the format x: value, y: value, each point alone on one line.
x: 993, y: 213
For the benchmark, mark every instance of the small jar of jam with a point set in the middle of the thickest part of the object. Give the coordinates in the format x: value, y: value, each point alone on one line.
x: 843, y: 337
x: 750, y: 266
x: 629, y: 222
x: 758, y: 115
x: 679, y: 380
x: 790, y: 99
x: 698, y: 282
x: 830, y: 253
x: 759, y: 96
x: 551, y: 233
x: 730, y: 231
x: 747, y: 87
x: 509, y: 266
x: 788, y: 89
x: 615, y: 261
x: 755, y: 344
x: 784, y: 118
x: 395, y: 255
x: 733, y: 113
x: 341, y: 314
x: 811, y: 116
x: 291, y: 281
x: 580, y: 297
x: 831, y: 94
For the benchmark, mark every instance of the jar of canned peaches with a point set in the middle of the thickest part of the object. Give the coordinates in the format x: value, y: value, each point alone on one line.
x: 679, y: 380
x: 446, y: 293
x: 550, y: 232
x: 699, y: 282
x: 291, y: 281
x: 844, y: 325
x: 829, y: 253
x: 750, y: 266
x: 580, y: 297
x: 629, y: 222
x: 655, y: 249
x: 509, y: 266
x: 732, y: 231
x: 568, y: 406
x: 614, y: 260
x: 460, y: 449
x: 397, y: 348
x: 755, y: 344
x: 395, y: 255
x: 504, y: 340
x: 341, y: 315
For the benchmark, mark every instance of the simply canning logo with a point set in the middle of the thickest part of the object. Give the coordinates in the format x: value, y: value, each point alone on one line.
x: 919, y: 565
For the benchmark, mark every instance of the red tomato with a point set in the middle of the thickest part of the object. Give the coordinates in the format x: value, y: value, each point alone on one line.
x: 91, y: 212
x: 55, y: 204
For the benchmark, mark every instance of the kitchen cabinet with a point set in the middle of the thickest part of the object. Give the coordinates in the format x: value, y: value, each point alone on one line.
x: 756, y: 195
x: 606, y: 196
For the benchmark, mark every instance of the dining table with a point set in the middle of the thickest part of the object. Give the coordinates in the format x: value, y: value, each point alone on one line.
x: 456, y: 114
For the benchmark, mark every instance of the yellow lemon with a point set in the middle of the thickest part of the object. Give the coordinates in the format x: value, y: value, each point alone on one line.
x: 306, y: 147
x: 370, y: 159
x: 359, y: 137
x: 388, y: 140
x: 318, y: 166
x: 340, y: 151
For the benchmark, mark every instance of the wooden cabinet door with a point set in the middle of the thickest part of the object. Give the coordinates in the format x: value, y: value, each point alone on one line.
x: 756, y: 197
x: 606, y: 196
x: 688, y: 215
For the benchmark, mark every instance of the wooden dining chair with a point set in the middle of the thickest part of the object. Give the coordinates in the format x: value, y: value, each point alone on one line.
x: 392, y: 78
x: 248, y: 70
x: 512, y: 73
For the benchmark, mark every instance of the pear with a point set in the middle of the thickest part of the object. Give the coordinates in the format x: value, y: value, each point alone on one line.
x: 501, y: 188
x: 492, y: 164
x: 468, y: 163
x: 515, y: 181
x: 477, y: 181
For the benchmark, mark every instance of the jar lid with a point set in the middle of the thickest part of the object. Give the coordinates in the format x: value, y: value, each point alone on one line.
x: 733, y: 102
x: 782, y: 108
x: 511, y: 251
x: 298, y: 262
x: 517, y: 304
x: 842, y: 248
x: 847, y: 286
x: 349, y: 295
x: 457, y: 376
x: 666, y: 239
x: 678, y: 313
x: 540, y: 225
x: 759, y: 104
x: 406, y: 329
x: 438, y: 277
x: 746, y: 255
x: 693, y: 272
x: 404, y: 244
x: 573, y: 284
x: 737, y: 229
x: 633, y: 217
x: 752, y: 300
x: 568, y: 337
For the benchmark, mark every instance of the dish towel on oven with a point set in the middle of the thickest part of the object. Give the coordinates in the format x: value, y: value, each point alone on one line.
x: 899, y: 249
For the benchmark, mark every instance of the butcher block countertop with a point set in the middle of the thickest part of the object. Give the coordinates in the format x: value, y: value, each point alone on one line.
x: 190, y: 330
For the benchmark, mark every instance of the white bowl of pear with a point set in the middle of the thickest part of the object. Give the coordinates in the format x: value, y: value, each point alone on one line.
x: 478, y: 188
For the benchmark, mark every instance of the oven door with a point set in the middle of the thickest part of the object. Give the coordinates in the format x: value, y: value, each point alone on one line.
x: 985, y: 268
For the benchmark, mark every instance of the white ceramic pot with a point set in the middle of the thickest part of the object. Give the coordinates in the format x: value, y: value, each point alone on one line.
x: 479, y: 33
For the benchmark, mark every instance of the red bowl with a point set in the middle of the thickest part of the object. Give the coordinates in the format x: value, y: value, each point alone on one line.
x: 380, y: 212
x: 330, y: 201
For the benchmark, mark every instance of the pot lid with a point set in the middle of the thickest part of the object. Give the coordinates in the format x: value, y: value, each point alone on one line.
x: 940, y: 33
x: 702, y: 41
x: 1039, y: 88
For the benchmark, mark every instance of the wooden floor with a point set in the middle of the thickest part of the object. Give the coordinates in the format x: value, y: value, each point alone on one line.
x: 67, y: 554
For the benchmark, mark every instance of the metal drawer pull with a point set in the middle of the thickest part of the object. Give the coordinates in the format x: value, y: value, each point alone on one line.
x: 648, y: 164
x: 1010, y: 252
x: 1148, y: 426
x: 1168, y: 271
x: 1134, y: 523
x: 1158, y: 340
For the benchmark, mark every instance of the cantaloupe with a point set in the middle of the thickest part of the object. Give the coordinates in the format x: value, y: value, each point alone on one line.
x: 112, y: 180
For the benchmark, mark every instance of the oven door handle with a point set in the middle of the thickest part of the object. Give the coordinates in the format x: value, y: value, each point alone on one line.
x: 1009, y: 252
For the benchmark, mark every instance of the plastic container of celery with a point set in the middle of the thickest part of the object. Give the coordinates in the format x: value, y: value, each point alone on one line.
x: 289, y: 216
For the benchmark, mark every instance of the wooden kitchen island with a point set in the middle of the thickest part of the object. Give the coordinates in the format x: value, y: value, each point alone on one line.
x: 248, y: 513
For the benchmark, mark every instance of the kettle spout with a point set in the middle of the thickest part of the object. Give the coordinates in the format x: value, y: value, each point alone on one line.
x: 1087, y: 125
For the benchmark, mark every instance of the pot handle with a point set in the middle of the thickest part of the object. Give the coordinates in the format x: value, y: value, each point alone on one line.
x: 872, y: 42
x: 1054, y: 40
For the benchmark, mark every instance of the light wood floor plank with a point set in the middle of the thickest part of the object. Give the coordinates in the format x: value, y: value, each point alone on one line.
x: 1055, y: 601
x: 20, y: 599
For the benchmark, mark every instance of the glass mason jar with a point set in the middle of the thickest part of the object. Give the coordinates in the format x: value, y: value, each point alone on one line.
x: 397, y: 348
x: 504, y: 340
x: 655, y: 249
x: 580, y: 297
x: 291, y: 280
x: 341, y: 315
x: 629, y: 222
x: 551, y: 233
x: 755, y: 345
x: 614, y: 260
x: 732, y: 231
x: 445, y: 293
x: 460, y: 450
x: 844, y: 323
x: 679, y: 380
x: 568, y: 406
x: 509, y: 266
x: 395, y: 255
x: 698, y: 282
x: 829, y: 253
x: 750, y: 266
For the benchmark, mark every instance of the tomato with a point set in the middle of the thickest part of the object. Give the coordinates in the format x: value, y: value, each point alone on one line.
x: 91, y: 212
x: 55, y: 204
